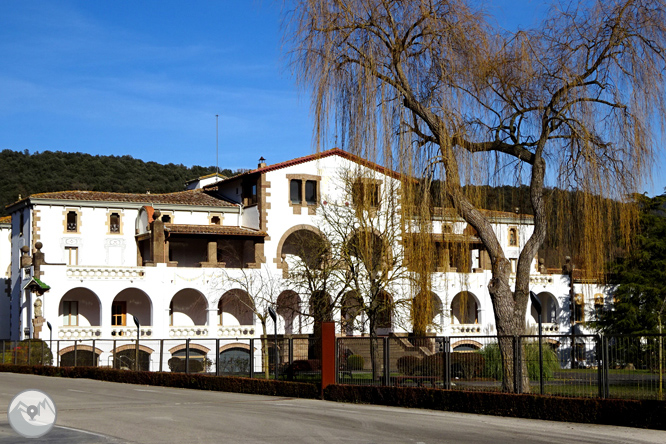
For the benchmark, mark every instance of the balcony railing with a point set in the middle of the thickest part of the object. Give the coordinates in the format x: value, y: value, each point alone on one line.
x: 104, y: 273
x: 466, y: 329
x: 130, y: 332
x: 75, y: 332
x: 189, y: 332
x: 236, y: 331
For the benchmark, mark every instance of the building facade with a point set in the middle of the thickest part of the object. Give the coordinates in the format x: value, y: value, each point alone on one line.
x: 206, y: 262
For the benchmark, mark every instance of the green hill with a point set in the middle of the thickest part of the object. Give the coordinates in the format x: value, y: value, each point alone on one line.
x: 22, y: 173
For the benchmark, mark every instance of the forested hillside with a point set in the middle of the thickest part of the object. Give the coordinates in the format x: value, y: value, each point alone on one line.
x: 22, y: 173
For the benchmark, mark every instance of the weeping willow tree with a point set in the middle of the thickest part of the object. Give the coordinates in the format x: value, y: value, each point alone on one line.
x: 429, y: 87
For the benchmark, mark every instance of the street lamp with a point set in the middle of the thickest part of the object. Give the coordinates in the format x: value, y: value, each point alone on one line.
x: 536, y: 303
x: 138, y: 335
x: 273, y: 315
x: 48, y: 324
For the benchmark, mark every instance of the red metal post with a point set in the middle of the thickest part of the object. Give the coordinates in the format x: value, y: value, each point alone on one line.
x: 327, y: 355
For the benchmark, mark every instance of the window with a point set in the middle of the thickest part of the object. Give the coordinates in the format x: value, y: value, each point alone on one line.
x: 295, y: 191
x: 72, y: 221
x: 365, y: 194
x: 513, y: 237
x: 118, y: 313
x: 166, y: 218
x: 114, y: 223
x: 72, y: 255
x: 215, y: 220
x: 21, y: 222
x: 598, y: 303
x: 514, y: 265
x: 70, y: 313
x: 579, y: 309
x: 311, y: 192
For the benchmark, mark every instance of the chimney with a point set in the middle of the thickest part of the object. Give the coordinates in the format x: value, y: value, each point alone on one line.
x: 262, y: 162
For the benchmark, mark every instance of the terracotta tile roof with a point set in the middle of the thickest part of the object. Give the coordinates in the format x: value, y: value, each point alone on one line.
x: 189, y: 197
x: 213, y: 229
x: 323, y: 154
x: 5, y: 220
x: 452, y: 213
x: 208, y: 176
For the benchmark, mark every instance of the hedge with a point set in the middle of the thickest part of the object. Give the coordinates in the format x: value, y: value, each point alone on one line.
x: 177, y: 380
x: 630, y: 413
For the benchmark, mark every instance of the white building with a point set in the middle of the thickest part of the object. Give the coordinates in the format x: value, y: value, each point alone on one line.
x: 175, y: 262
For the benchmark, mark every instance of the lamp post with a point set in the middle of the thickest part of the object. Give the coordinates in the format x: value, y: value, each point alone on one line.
x: 273, y: 315
x: 48, y: 324
x: 138, y: 335
x: 536, y: 303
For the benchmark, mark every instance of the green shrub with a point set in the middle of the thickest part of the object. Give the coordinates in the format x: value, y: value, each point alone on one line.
x: 40, y: 353
x: 409, y: 365
x: 355, y: 362
x: 493, y: 361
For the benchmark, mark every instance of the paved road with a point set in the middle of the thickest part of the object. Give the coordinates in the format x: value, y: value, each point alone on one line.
x: 94, y: 412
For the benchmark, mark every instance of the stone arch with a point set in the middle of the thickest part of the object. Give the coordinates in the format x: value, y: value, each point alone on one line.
x: 133, y: 347
x: 134, y: 302
x: 550, y: 309
x: 289, y: 308
x: 88, y: 308
x: 79, y: 348
x: 293, y: 240
x: 85, y: 356
x: 465, y: 308
x: 235, y: 345
x: 467, y: 342
x: 180, y: 347
x: 235, y: 307
x: 188, y: 307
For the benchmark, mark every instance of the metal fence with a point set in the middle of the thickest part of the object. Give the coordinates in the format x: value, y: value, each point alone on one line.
x: 626, y: 366
x: 630, y: 367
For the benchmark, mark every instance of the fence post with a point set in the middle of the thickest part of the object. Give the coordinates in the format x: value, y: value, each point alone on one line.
x: 606, y: 365
x: 517, y: 365
x: 29, y: 350
x: 251, y: 357
x: 291, y: 351
x: 387, y: 362
x: 93, y: 353
x: 16, y: 353
x: 447, y: 362
x: 41, y: 362
x: 187, y: 356
x: 58, y: 353
x: 337, y: 360
x: 217, y: 357
x: 161, y: 353
x: 601, y: 363
x: 3, y: 351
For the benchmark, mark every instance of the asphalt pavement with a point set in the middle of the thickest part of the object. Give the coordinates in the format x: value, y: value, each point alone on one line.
x: 103, y: 412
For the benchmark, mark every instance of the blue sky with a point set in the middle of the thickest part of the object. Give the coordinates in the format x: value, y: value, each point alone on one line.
x: 147, y: 78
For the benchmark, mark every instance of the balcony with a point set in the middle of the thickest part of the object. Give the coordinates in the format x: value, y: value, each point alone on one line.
x: 196, y: 331
x: 104, y: 273
x: 465, y: 329
x: 130, y: 332
x: 74, y: 332
x: 236, y: 331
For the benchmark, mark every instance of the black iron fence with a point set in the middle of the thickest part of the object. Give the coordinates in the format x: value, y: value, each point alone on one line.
x: 629, y: 366
x: 625, y: 366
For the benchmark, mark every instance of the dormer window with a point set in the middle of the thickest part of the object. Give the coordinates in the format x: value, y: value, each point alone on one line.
x: 72, y: 221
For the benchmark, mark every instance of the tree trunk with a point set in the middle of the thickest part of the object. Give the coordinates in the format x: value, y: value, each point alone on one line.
x: 264, y: 349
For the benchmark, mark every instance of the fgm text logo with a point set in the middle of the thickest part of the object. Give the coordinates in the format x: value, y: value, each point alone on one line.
x: 32, y: 413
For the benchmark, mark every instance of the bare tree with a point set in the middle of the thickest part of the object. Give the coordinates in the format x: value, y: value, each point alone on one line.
x: 429, y: 87
x: 262, y: 288
x: 360, y: 264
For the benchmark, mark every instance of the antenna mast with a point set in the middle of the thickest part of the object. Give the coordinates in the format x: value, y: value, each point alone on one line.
x: 217, y: 146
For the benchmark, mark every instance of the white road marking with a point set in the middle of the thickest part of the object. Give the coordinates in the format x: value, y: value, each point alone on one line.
x: 77, y: 391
